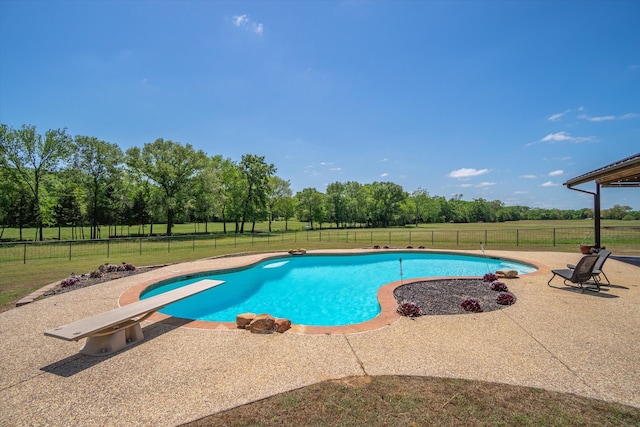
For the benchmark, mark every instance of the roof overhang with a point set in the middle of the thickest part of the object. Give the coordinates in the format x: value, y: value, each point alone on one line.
x: 623, y: 173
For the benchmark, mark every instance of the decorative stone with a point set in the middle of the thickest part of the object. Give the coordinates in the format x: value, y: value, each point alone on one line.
x: 262, y: 324
x: 242, y: 320
x: 282, y: 325
x: 300, y: 251
x: 507, y: 274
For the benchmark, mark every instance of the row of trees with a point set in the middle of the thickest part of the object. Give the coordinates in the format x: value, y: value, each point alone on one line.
x: 58, y: 180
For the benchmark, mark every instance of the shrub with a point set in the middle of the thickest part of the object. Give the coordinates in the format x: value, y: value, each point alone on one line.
x: 95, y: 274
x: 70, y: 281
x: 409, y: 309
x: 499, y: 286
x: 127, y: 267
x: 489, y: 277
x: 111, y: 268
x: 471, y: 305
x: 505, y: 299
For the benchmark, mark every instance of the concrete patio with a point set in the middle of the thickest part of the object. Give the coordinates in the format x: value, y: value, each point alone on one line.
x: 553, y: 338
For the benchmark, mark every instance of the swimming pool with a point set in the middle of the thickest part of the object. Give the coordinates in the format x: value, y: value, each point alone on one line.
x: 319, y: 290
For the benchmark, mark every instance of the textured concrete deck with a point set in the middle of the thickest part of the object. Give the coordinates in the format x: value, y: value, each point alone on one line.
x: 552, y: 338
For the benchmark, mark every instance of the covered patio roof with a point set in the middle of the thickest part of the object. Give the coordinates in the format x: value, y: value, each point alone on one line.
x: 623, y: 173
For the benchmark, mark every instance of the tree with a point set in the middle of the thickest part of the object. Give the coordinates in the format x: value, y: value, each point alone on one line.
x: 69, y: 195
x: 256, y: 173
x: 384, y: 202
x: 310, y: 203
x: 207, y: 188
x: 287, y: 209
x: 616, y: 212
x: 280, y: 190
x: 172, y: 167
x: 231, y: 194
x: 31, y: 157
x: 336, y: 202
x: 426, y: 209
x: 100, y: 164
x: 356, y: 203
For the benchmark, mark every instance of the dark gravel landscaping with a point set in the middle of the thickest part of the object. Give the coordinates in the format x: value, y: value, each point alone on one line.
x: 446, y: 296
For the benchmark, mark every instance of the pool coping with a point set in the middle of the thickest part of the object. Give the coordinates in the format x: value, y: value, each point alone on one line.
x: 385, y: 296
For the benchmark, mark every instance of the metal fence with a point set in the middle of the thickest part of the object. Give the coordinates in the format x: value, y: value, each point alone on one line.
x: 617, y: 239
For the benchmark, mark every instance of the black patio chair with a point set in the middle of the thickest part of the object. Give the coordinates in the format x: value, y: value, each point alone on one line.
x: 603, y: 254
x: 579, y: 275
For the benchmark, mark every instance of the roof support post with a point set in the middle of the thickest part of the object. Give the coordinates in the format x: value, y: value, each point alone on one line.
x: 596, y: 216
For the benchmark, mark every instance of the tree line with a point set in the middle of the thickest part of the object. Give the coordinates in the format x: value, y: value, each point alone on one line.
x: 56, y: 180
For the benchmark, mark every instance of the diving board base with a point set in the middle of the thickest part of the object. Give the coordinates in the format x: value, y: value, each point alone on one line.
x: 103, y: 345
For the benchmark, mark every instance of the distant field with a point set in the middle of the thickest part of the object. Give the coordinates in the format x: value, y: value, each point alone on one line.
x: 65, y: 233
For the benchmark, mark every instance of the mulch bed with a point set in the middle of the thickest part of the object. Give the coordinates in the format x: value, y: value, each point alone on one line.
x: 85, y: 280
x: 439, y: 297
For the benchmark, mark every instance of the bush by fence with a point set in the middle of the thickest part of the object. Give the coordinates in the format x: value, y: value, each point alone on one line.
x: 618, y: 239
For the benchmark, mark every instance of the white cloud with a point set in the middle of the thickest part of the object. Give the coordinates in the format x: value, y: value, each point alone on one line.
x: 608, y: 118
x: 566, y: 137
x: 384, y: 160
x: 239, y: 20
x: 521, y: 192
x: 384, y: 174
x: 243, y: 21
x: 336, y: 169
x: 485, y: 184
x: 596, y: 118
x: 557, y: 116
x: 528, y: 176
x: 549, y: 184
x: 467, y: 173
x: 556, y: 172
x: 257, y: 28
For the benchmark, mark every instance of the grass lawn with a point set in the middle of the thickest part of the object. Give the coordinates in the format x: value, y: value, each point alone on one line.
x: 423, y: 401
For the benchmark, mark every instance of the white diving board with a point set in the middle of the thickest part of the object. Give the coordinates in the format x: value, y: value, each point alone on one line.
x: 116, y: 329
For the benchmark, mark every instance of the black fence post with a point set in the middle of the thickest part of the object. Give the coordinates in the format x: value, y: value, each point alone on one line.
x: 24, y: 254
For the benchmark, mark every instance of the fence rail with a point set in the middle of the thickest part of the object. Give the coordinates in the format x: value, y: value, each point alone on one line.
x: 623, y: 239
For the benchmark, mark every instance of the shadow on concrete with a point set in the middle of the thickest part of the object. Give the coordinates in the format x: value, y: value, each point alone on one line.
x: 633, y: 260
x: 77, y: 363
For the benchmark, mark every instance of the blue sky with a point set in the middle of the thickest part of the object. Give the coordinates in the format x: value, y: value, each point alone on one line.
x: 495, y: 99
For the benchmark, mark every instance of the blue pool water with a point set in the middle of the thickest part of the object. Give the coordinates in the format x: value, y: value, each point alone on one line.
x: 319, y: 290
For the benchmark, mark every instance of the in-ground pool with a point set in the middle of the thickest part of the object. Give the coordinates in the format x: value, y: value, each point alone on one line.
x: 319, y: 290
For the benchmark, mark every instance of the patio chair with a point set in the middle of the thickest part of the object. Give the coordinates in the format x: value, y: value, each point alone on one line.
x: 603, y: 254
x: 579, y: 275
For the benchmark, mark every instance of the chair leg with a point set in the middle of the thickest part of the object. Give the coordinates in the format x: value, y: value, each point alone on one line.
x: 605, y: 276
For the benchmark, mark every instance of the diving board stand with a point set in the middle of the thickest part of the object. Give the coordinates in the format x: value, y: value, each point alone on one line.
x: 116, y: 329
